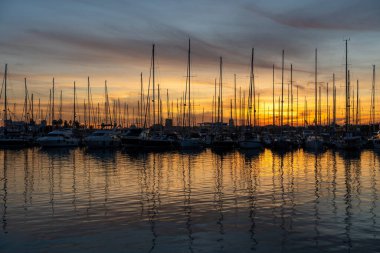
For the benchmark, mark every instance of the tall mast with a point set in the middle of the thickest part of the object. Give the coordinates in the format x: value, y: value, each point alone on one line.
x: 288, y: 107
x: 347, y: 94
x: 153, y: 100
x: 253, y: 88
x: 26, y: 102
x: 105, y: 102
x: 316, y: 92
x: 88, y: 101
x: 52, y: 107
x: 159, y: 105
x: 75, y: 115
x: 282, y: 92
x: 240, y: 107
x: 273, y: 109
x: 250, y: 95
x: 188, y: 76
x: 291, y: 94
x: 319, y: 106
x: 5, y: 94
x: 334, y: 101
x: 297, y: 105
x: 221, y: 91
x: 235, y: 99
x: 141, y: 99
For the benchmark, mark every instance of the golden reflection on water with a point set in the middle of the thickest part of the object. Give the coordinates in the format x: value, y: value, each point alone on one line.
x: 196, y: 201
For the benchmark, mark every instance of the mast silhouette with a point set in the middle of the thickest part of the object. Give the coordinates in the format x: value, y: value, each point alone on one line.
x: 153, y: 80
x: 5, y: 94
x: 282, y: 92
x: 347, y: 94
x: 316, y: 92
x: 273, y: 106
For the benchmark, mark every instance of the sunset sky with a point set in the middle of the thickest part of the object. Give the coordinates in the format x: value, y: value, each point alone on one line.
x: 111, y: 40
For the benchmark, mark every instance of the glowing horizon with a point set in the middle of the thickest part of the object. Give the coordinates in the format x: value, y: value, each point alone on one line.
x: 114, y: 42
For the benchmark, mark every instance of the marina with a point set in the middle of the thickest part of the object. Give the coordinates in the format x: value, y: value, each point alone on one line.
x: 189, y: 126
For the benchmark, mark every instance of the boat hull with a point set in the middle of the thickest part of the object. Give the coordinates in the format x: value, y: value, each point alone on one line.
x: 250, y: 144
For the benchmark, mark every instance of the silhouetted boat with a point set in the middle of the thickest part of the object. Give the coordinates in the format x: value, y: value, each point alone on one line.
x: 153, y: 140
x: 59, y: 138
x: 131, y: 138
x: 103, y: 139
x: 250, y: 141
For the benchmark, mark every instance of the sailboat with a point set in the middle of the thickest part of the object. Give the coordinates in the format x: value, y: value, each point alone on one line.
x: 222, y: 139
x: 314, y: 142
x: 155, y: 138
x: 62, y: 137
x: 349, y: 141
x: 190, y: 140
x: 283, y: 141
x: 13, y: 134
x: 250, y: 139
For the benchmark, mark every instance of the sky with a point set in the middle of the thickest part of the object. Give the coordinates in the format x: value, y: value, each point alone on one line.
x: 112, y: 40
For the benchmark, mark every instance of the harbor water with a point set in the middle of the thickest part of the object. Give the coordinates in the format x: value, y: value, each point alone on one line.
x: 76, y: 200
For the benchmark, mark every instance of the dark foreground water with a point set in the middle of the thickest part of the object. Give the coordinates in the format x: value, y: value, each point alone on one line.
x: 81, y: 201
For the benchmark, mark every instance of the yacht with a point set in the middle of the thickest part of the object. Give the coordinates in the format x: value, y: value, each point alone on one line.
x: 58, y: 138
x: 222, y: 142
x: 103, y: 139
x: 314, y: 142
x: 131, y: 138
x: 157, y: 140
x: 250, y: 141
x: 349, y: 142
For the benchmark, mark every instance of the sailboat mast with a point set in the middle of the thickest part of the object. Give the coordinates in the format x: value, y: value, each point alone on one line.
x: 316, y: 91
x: 273, y: 108
x: 88, y: 101
x: 153, y: 76
x: 250, y: 94
x: 141, y: 100
x: 297, y: 106
x: 291, y: 94
x: 282, y: 91
x: 26, y: 102
x: 52, y: 107
x: 5, y: 94
x: 347, y: 94
x: 235, y: 99
x: 334, y: 101
x: 221, y: 91
x: 253, y: 88
x: 75, y: 115
x: 189, y: 76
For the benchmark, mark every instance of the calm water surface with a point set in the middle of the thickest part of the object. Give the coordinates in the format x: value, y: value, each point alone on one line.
x: 82, y: 201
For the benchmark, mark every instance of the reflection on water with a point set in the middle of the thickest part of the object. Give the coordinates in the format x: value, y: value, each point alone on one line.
x: 65, y: 200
